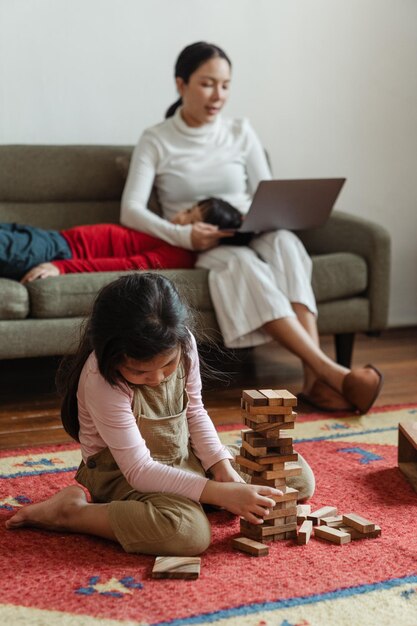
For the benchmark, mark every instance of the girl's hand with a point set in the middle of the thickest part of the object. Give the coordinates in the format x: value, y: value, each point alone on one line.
x: 205, y: 236
x: 249, y: 501
x: 40, y: 271
x: 223, y: 472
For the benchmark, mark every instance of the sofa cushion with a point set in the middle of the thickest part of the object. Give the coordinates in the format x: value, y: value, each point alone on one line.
x: 338, y: 275
x: 335, y: 276
x: 60, y: 173
x: 14, y: 301
x: 72, y: 295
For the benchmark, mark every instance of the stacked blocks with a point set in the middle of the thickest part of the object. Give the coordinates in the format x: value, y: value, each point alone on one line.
x: 265, y: 453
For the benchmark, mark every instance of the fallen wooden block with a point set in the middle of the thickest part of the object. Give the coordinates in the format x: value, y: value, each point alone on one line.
x: 324, y: 511
x: 332, y: 534
x: 187, y: 567
x: 302, y: 511
x: 304, y: 532
x: 358, y: 522
x: 356, y: 534
x: 244, y: 544
x: 333, y: 521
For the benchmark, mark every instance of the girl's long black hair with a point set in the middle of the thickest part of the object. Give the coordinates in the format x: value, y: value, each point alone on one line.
x: 189, y: 61
x: 139, y: 315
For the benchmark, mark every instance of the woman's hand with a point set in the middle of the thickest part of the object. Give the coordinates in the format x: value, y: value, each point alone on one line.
x: 249, y: 501
x: 223, y: 472
x: 206, y: 236
x: 40, y: 271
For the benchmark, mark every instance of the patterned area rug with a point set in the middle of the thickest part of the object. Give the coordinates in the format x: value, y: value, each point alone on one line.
x: 49, y: 578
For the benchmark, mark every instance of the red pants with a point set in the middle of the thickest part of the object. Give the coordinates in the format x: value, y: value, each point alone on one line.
x: 111, y: 247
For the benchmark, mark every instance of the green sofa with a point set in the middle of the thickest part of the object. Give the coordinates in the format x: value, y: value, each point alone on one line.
x: 62, y: 186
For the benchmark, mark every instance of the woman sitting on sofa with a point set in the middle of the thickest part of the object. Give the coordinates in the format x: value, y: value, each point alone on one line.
x: 28, y: 253
x: 261, y: 291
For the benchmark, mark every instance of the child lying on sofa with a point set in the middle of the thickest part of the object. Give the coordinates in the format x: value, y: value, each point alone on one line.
x: 28, y: 253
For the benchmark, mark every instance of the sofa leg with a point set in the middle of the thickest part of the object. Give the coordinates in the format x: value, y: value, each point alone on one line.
x: 344, y: 348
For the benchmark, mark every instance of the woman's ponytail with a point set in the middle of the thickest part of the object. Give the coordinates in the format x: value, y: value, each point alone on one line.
x: 171, y: 110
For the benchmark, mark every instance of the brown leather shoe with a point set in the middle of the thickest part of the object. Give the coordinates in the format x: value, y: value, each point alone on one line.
x: 325, y: 398
x: 362, y: 386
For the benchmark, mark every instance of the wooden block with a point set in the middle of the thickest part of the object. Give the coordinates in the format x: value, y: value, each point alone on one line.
x: 332, y: 534
x: 281, y: 512
x: 274, y: 399
x: 304, y: 532
x: 285, y: 473
x: 295, y: 470
x: 277, y: 458
x: 407, y: 442
x: 187, y: 567
x: 334, y: 521
x: 247, y: 463
x: 325, y: 511
x: 302, y: 511
x: 252, y: 438
x: 260, y: 532
x: 275, y: 522
x: 358, y: 522
x: 407, y: 451
x: 291, y: 535
x: 254, y: 398
x: 288, y: 504
x: 288, y: 493
x: 244, y: 544
x: 268, y: 410
x: 288, y: 399
x: 270, y: 430
x: 278, y: 483
x: 356, y: 534
x: 267, y: 419
x: 257, y: 440
x: 254, y: 451
x: 410, y: 472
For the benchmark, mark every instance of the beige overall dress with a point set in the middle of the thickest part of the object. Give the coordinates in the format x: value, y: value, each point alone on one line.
x: 160, y: 523
x: 153, y: 523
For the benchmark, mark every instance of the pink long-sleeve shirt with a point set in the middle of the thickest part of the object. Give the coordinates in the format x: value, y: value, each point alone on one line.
x: 106, y: 420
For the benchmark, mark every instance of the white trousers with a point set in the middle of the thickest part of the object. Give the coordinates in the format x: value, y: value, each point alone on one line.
x: 253, y: 285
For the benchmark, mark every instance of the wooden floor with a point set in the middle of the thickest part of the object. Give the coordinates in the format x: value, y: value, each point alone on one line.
x: 29, y: 406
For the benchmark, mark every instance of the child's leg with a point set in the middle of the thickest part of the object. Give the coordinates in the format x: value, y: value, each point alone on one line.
x: 23, y: 247
x: 69, y: 511
x: 156, y: 524
x: 305, y: 483
x: 160, y: 524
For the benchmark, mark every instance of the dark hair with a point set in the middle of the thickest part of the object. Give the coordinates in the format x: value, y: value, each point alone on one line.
x: 189, y: 61
x: 220, y: 213
x: 139, y: 315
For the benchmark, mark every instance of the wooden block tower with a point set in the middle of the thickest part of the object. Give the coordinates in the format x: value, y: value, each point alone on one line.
x: 266, y: 451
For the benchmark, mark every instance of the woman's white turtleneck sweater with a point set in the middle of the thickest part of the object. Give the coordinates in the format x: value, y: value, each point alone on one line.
x: 224, y: 159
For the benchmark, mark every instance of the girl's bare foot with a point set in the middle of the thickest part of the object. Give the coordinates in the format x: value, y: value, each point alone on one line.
x: 56, y: 513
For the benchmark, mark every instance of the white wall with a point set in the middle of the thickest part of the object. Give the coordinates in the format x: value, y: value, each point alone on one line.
x: 330, y: 85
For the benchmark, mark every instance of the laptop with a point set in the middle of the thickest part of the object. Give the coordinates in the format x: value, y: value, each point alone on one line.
x: 291, y: 204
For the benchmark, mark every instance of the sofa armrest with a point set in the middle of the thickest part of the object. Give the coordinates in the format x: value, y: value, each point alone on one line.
x: 344, y: 232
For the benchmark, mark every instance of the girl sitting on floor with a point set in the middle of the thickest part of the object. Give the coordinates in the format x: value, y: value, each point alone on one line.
x: 151, y: 455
